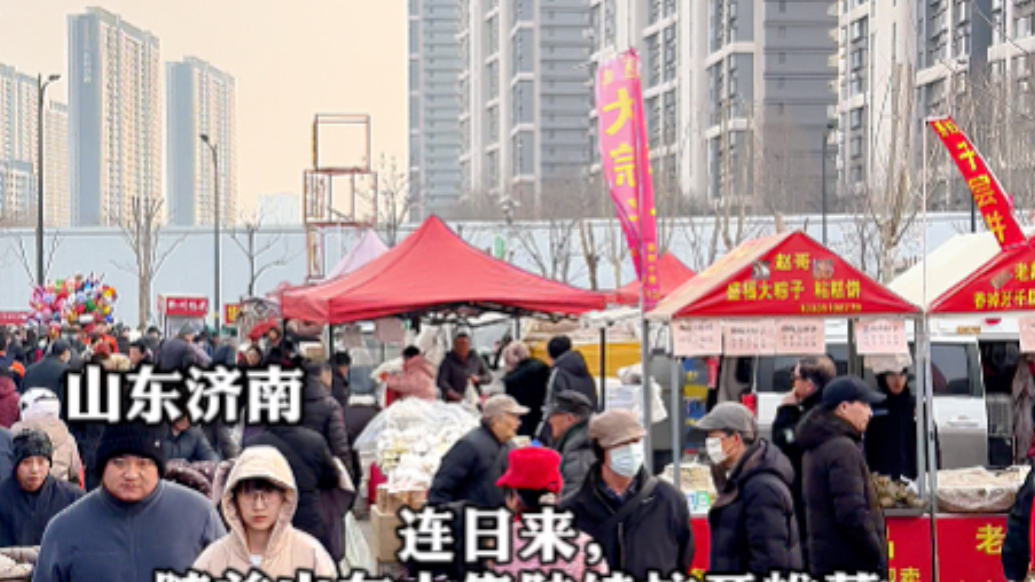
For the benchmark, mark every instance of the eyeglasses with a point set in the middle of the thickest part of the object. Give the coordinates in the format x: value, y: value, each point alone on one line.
x: 254, y: 495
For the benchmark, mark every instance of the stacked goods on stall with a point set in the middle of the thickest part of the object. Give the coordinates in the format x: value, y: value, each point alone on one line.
x: 895, y: 494
x: 978, y: 490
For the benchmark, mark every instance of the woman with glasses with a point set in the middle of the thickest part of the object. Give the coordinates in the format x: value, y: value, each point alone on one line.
x: 259, y: 503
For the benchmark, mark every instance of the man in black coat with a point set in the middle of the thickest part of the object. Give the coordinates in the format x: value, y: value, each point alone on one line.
x: 313, y: 467
x: 846, y: 530
x: 340, y: 382
x: 183, y: 441
x: 752, y: 524
x: 569, y: 428
x: 809, y: 377
x: 890, y: 440
x: 460, y: 367
x: 471, y: 467
x: 526, y: 380
x: 569, y: 372
x: 32, y: 496
x: 322, y: 413
x: 641, y: 523
x: 1016, y: 556
x: 50, y: 372
x: 176, y: 354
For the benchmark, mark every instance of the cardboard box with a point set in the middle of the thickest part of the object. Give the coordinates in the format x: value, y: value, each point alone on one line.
x: 386, y: 540
x: 382, y: 497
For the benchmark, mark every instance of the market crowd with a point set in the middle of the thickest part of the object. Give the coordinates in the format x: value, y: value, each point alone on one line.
x: 86, y: 501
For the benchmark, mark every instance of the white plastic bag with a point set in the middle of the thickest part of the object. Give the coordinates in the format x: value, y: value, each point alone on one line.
x: 357, y: 551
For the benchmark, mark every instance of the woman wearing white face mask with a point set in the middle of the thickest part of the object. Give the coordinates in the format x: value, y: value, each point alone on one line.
x: 642, y: 524
x: 752, y: 523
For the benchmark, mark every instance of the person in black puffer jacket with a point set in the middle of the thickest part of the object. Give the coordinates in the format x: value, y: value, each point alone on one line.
x: 471, y: 467
x: 569, y: 372
x: 641, y: 523
x: 890, y: 440
x: 752, y: 523
x: 846, y: 531
x: 526, y: 381
x: 322, y: 413
x: 569, y: 428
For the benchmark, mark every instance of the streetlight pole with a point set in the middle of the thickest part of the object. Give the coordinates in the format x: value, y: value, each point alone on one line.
x: 215, y: 208
x: 831, y: 125
x: 41, y: 87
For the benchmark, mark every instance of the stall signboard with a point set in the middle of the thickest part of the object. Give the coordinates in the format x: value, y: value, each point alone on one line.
x: 1005, y: 283
x: 995, y: 207
x: 881, y: 337
x: 696, y: 337
x: 969, y: 547
x: 14, y: 317
x: 801, y: 337
x: 749, y: 337
x: 173, y: 306
x: 230, y: 313
x: 783, y: 275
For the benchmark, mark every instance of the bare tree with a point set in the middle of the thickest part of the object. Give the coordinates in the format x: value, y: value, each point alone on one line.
x: 27, y: 258
x: 244, y: 236
x: 392, y: 197
x: 142, y: 230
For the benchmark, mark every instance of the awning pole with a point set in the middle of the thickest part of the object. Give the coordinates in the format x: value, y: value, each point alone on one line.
x: 675, y: 414
x: 602, y: 405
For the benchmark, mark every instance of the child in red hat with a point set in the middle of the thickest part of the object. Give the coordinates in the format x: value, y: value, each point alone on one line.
x: 532, y: 482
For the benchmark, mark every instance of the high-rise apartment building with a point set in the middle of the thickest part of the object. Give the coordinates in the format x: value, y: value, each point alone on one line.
x: 525, y: 84
x: 737, y: 93
x: 434, y: 106
x: 19, y: 135
x: 115, y: 121
x: 201, y: 100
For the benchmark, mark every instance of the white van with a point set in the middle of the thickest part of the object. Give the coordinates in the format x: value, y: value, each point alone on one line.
x: 959, y: 397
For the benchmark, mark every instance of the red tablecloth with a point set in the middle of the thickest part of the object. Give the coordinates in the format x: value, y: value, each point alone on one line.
x: 969, y: 547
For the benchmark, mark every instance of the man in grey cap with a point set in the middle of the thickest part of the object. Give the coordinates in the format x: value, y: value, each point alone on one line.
x: 569, y: 426
x: 641, y: 523
x: 752, y: 522
x: 845, y: 524
x: 470, y: 469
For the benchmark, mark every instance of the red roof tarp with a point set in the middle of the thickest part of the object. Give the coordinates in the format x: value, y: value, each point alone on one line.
x: 434, y: 269
x: 783, y: 275
x: 1005, y: 283
x: 671, y: 274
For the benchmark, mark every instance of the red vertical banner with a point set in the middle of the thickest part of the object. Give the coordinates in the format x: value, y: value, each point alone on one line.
x: 626, y: 163
x: 988, y: 195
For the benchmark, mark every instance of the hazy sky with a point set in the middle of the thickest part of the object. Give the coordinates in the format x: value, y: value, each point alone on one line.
x: 291, y: 60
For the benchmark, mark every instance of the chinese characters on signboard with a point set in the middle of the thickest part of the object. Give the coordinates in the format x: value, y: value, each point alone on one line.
x: 623, y: 154
x: 185, y: 306
x: 696, y: 337
x: 798, y: 278
x: 749, y: 338
x: 880, y: 337
x: 800, y: 337
x: 988, y: 196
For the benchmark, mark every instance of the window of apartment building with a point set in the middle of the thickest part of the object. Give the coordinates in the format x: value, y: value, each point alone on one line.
x: 781, y: 32
x: 781, y: 58
x: 492, y: 34
x: 465, y: 136
x: 732, y: 21
x: 609, y: 22
x: 963, y: 41
x: 856, y: 146
x: 856, y: 174
x: 492, y: 169
x: 653, y: 122
x: 1023, y: 28
x: 523, y: 153
x: 670, y: 118
x: 523, y: 55
x: 783, y: 6
x: 653, y: 11
x: 997, y: 21
x: 493, y: 79
x: 858, y: 29
x: 715, y: 89
x: 653, y: 59
x: 716, y: 22
x: 670, y: 7
x: 671, y: 52
x: 594, y: 27
x: 493, y: 123
x: 858, y: 58
x: 856, y: 118
x: 856, y: 83
x: 414, y: 37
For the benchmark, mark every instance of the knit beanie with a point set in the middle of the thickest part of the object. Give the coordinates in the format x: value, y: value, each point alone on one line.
x: 31, y: 443
x: 139, y: 440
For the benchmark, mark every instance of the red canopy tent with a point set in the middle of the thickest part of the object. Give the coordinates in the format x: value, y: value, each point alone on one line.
x: 671, y: 274
x: 1005, y: 283
x: 782, y: 275
x: 434, y: 270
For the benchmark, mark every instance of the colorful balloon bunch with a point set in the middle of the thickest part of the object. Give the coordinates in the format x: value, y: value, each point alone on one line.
x: 74, y: 300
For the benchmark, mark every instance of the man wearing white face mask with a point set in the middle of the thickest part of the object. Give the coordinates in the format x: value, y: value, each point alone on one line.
x: 752, y: 524
x: 642, y: 524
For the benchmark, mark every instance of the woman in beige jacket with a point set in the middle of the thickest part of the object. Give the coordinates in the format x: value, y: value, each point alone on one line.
x: 258, y: 503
